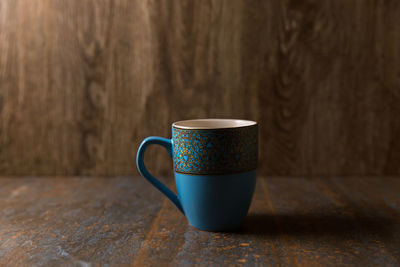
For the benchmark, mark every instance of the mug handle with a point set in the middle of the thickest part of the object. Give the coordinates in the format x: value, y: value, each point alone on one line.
x: 167, y: 143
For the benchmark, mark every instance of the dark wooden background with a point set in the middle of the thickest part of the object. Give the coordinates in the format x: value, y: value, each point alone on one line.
x: 82, y: 82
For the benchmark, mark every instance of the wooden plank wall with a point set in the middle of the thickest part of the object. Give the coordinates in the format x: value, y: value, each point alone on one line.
x: 82, y: 82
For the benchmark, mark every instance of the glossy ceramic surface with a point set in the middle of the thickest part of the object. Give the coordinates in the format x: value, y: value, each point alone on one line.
x: 215, y: 165
x: 216, y: 202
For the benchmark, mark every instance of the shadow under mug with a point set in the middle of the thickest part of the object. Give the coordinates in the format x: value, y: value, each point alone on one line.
x: 215, y: 162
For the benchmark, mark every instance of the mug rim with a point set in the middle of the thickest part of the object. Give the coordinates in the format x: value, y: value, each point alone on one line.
x: 213, y: 124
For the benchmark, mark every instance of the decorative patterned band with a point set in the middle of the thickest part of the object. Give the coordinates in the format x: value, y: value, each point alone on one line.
x: 215, y: 151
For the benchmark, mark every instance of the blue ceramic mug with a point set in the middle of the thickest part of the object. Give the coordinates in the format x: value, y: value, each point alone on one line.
x: 215, y: 162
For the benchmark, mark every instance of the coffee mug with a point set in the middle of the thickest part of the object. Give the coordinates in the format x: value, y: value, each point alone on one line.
x: 215, y: 163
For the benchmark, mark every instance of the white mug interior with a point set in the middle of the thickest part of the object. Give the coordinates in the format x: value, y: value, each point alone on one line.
x: 213, y: 124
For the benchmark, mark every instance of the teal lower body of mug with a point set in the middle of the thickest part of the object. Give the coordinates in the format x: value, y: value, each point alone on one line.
x: 216, y: 202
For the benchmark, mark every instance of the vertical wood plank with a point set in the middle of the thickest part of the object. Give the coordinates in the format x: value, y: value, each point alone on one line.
x: 83, y: 82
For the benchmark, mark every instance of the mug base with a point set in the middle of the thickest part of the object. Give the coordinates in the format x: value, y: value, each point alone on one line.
x: 216, y: 202
x: 217, y: 229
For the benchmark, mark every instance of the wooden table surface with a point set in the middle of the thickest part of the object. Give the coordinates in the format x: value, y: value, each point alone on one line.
x: 292, y: 221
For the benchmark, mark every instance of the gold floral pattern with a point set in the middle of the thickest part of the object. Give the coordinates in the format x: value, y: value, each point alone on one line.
x: 215, y: 151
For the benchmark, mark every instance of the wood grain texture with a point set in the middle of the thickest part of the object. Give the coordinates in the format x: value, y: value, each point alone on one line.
x: 293, y: 221
x: 83, y: 82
